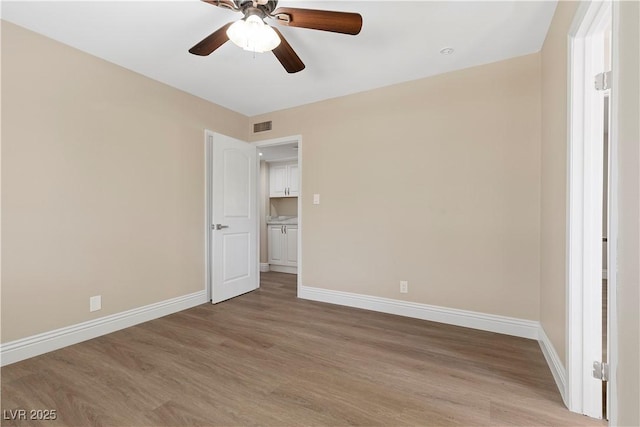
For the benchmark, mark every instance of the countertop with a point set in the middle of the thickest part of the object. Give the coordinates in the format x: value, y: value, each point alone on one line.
x: 282, y: 220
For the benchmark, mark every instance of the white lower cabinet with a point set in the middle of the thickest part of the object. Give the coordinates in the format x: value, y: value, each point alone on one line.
x: 276, y: 243
x: 283, y: 245
x: 291, y: 245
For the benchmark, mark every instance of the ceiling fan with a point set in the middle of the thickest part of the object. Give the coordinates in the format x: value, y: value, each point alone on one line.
x: 253, y: 34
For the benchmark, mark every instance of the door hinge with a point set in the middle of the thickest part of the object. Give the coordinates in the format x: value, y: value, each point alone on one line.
x: 603, y: 81
x: 600, y: 371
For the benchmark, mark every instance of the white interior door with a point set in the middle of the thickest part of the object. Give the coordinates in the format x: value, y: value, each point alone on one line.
x: 234, y: 214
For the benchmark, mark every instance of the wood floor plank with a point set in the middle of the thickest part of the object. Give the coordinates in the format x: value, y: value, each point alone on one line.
x: 268, y: 358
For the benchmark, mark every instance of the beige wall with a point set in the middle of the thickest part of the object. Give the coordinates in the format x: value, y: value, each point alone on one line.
x: 628, y: 372
x: 434, y: 181
x: 553, y: 207
x: 285, y: 206
x: 102, y: 185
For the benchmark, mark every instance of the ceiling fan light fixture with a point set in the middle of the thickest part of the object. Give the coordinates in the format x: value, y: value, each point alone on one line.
x: 253, y: 34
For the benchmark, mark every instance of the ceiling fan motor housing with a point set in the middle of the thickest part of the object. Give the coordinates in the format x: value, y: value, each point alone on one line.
x: 261, y: 8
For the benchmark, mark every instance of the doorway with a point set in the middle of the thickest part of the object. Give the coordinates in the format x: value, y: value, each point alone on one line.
x: 280, y: 200
x: 589, y: 219
x: 242, y: 272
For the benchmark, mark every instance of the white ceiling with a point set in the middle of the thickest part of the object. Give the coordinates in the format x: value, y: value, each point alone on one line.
x: 278, y: 152
x: 399, y: 41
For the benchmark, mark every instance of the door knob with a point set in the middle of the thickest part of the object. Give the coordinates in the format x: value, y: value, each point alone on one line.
x: 219, y: 226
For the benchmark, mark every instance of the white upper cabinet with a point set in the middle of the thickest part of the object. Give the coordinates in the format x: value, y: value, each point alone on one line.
x: 292, y: 177
x: 283, y: 179
x: 277, y: 180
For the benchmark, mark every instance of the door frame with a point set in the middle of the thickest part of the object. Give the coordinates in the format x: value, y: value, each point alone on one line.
x: 281, y: 141
x: 584, y: 213
x: 208, y: 220
x: 612, y: 238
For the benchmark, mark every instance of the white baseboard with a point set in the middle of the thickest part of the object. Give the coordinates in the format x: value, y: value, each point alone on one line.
x: 264, y: 267
x: 469, y: 319
x: 283, y: 269
x: 36, y: 345
x: 555, y: 365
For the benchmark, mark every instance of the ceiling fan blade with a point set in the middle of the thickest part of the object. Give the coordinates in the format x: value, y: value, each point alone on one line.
x: 227, y: 4
x: 287, y: 56
x: 325, y: 20
x: 212, y: 41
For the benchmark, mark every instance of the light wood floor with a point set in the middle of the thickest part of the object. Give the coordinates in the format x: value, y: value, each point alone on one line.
x: 267, y: 358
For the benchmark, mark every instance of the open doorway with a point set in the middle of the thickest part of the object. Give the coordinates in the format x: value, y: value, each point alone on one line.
x: 280, y: 201
x: 237, y: 187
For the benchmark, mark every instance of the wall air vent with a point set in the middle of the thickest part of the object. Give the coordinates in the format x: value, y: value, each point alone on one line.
x: 261, y: 127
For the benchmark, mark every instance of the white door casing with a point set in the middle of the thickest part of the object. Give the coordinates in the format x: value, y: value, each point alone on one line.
x: 584, y: 228
x: 234, y: 216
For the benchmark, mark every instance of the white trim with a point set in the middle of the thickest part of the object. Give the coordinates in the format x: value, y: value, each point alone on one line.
x: 264, y: 267
x: 285, y: 140
x: 299, y: 259
x: 283, y: 269
x: 36, y: 345
x: 278, y: 141
x: 208, y: 221
x: 451, y: 316
x: 584, y: 220
x: 612, y: 232
x: 283, y: 160
x: 555, y: 365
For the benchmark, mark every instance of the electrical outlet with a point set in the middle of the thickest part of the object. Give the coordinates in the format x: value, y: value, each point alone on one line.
x: 316, y: 199
x: 404, y: 287
x: 95, y: 303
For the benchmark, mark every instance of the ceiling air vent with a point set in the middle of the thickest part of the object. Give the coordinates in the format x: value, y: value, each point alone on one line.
x: 261, y: 127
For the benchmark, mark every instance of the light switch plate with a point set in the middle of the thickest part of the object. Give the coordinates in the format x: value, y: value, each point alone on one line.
x: 316, y: 199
